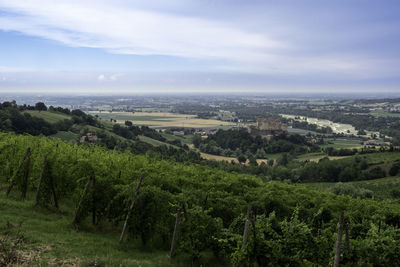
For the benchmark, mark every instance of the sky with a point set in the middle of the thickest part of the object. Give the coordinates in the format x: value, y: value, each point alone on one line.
x: 182, y: 46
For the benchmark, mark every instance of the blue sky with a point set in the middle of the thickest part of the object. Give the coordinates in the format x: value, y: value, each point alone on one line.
x: 199, y: 46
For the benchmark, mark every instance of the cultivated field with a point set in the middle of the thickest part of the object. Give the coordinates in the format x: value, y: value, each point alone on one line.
x: 382, y: 113
x: 382, y: 187
x: 340, y: 143
x: 161, y: 119
x: 229, y: 159
x: 315, y: 157
x: 49, y: 116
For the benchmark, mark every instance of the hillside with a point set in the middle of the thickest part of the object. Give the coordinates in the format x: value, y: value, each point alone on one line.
x: 294, y: 225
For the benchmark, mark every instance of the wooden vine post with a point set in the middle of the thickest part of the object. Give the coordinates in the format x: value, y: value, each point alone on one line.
x: 90, y: 179
x: 130, y: 208
x: 26, y: 177
x: 175, y: 234
x: 12, y: 182
x: 246, y: 227
x: 53, y: 190
x: 51, y: 181
x: 339, y: 240
x: 40, y: 180
x: 346, y: 229
x: 253, y: 224
x: 94, y: 201
x: 246, y: 231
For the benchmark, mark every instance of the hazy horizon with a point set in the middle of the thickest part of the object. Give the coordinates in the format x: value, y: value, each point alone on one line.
x: 180, y: 47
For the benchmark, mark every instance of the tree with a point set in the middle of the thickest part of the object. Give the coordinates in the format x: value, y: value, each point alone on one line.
x: 394, y: 170
x: 128, y: 123
x: 253, y: 161
x: 361, y: 132
x: 40, y: 106
x: 196, y: 140
x: 242, y: 159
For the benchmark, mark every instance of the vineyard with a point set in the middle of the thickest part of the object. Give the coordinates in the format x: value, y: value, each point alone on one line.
x: 187, y: 213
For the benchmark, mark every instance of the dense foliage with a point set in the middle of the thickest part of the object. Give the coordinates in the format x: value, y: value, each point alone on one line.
x: 14, y: 118
x: 293, y: 225
x: 240, y: 142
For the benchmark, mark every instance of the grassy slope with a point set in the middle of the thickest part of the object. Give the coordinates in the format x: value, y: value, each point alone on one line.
x: 49, y: 116
x: 381, y: 187
x: 381, y: 113
x: 342, y: 144
x: 66, y: 136
x: 51, y: 237
x: 317, y: 156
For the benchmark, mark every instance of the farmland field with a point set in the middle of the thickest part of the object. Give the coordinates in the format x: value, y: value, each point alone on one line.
x: 66, y: 136
x: 317, y: 156
x: 49, y: 116
x: 161, y: 119
x: 382, y: 113
x: 382, y: 187
x: 342, y: 144
x: 229, y: 159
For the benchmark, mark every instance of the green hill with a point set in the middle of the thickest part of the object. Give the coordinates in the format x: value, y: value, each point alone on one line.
x: 49, y: 116
x: 293, y: 224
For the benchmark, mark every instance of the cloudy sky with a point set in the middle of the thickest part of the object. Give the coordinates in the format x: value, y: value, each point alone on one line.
x: 200, y: 46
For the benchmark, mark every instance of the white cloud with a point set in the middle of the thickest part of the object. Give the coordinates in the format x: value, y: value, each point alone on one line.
x: 101, y: 77
x: 127, y: 30
x: 6, y: 69
x: 128, y: 27
x: 109, y: 78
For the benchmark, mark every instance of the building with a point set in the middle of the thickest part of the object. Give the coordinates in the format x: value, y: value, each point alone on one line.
x: 89, y: 137
x: 267, y: 127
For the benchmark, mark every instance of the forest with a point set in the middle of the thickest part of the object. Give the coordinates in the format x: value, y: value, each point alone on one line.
x: 236, y: 142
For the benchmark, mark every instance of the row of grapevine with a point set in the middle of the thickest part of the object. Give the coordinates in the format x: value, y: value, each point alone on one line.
x: 198, y: 209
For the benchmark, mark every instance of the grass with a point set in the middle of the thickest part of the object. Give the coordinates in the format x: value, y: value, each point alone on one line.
x: 185, y: 139
x: 382, y: 157
x: 342, y: 144
x: 66, y: 136
x: 49, y: 116
x: 229, y: 159
x: 382, y: 113
x: 154, y: 142
x: 51, y: 238
x: 161, y: 119
x: 381, y: 188
x: 317, y: 156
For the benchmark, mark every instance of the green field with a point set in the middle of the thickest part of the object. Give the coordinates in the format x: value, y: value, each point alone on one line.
x: 133, y: 117
x: 160, y: 119
x: 66, y: 136
x: 49, y: 116
x: 185, y: 139
x: 51, y: 239
x: 382, y: 188
x: 382, y: 113
x: 378, y: 158
x: 342, y: 144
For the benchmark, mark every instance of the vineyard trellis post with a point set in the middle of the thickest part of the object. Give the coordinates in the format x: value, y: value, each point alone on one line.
x: 26, y: 177
x: 131, y: 207
x: 253, y: 223
x: 175, y: 234
x: 90, y: 179
x: 339, y: 240
x: 12, y: 182
x: 40, y: 180
x: 246, y: 227
x: 246, y: 230
x: 53, y: 190
x: 346, y: 229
